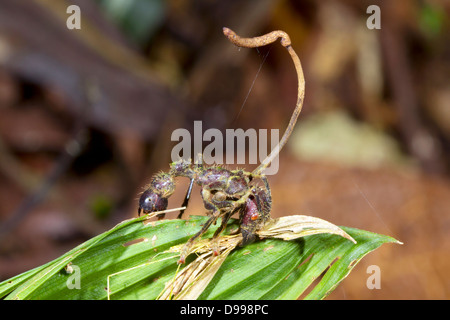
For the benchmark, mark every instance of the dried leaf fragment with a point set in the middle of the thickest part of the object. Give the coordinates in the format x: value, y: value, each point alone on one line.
x: 297, y: 226
x: 190, y: 282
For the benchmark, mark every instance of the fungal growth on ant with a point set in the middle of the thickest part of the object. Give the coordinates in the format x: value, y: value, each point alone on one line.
x: 226, y: 192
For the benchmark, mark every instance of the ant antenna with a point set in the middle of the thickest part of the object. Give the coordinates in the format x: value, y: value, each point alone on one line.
x: 285, y: 42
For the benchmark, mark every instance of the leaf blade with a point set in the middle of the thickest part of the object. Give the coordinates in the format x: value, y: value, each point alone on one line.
x: 129, y: 260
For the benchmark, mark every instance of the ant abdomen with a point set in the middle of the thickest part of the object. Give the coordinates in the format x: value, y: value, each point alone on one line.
x: 255, y: 214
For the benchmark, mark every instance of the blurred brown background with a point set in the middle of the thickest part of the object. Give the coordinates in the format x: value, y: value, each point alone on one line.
x: 86, y: 118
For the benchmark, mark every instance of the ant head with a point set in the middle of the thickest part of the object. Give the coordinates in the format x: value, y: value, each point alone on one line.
x: 162, y: 184
x: 155, y: 197
x: 151, y: 202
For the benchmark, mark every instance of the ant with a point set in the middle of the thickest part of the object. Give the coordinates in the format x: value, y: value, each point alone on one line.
x: 226, y: 192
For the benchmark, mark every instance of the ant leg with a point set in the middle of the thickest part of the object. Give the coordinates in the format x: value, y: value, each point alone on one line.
x: 225, y: 219
x: 264, y: 199
x: 199, y: 165
x: 266, y: 184
x: 187, y: 246
x: 186, y: 198
x: 214, y: 239
x: 215, y: 201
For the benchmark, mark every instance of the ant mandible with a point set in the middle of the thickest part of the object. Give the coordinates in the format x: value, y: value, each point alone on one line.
x: 226, y: 192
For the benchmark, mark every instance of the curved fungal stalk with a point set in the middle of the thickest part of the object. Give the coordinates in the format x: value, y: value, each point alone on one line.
x: 285, y: 42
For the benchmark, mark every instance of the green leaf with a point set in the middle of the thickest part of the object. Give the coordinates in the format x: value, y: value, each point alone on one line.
x: 134, y: 262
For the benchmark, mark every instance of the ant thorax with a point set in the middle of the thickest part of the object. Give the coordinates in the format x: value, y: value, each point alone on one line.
x: 234, y: 183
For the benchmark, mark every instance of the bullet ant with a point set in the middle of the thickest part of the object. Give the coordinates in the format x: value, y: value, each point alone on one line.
x: 226, y: 192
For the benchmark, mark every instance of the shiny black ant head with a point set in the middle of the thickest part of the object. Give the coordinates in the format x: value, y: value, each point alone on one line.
x: 155, y: 197
x: 151, y: 202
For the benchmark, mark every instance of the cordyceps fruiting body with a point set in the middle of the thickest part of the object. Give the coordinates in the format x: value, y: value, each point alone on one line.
x: 226, y: 192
